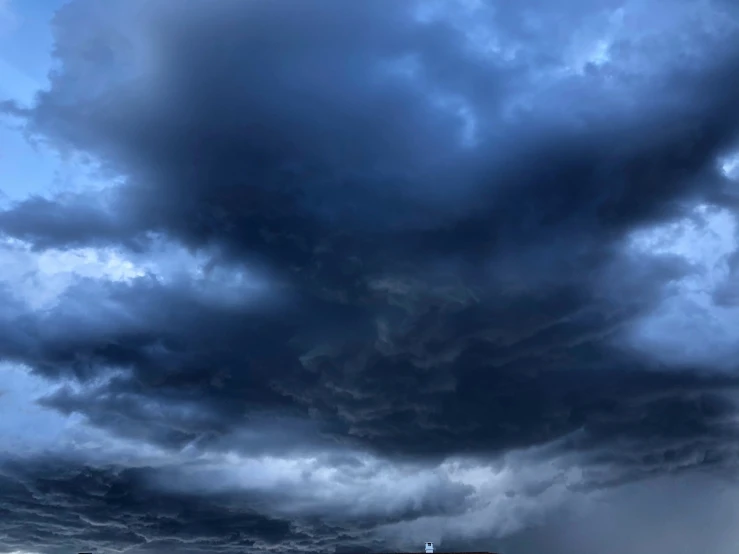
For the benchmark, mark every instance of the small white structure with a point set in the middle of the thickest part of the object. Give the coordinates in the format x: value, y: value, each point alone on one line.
x: 429, y: 547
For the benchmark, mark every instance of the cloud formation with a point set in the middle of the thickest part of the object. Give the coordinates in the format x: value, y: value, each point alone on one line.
x: 436, y: 244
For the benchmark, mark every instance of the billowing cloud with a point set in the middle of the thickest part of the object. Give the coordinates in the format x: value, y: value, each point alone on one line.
x: 368, y: 272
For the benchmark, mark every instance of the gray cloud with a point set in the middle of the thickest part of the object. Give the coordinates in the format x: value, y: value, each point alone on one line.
x: 413, y: 231
x: 637, y: 518
x: 56, y: 507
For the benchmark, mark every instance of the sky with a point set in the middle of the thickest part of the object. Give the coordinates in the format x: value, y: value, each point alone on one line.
x: 321, y: 276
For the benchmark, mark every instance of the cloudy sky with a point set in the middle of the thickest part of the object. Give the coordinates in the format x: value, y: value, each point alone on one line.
x: 331, y: 276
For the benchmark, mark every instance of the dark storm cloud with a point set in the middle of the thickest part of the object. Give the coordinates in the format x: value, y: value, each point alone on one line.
x: 60, y: 506
x: 443, y: 229
x: 68, y: 220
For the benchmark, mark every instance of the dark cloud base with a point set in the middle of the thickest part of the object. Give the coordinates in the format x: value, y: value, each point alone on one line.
x: 53, y: 506
x: 425, y: 297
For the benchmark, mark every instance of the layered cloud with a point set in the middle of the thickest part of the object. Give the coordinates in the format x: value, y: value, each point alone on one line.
x: 368, y: 272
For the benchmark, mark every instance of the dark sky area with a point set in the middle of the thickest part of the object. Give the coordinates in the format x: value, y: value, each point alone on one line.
x: 359, y: 274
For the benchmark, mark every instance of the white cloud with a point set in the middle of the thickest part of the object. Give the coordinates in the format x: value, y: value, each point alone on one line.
x: 688, y: 327
x: 41, y: 278
x: 730, y: 167
x: 500, y: 498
